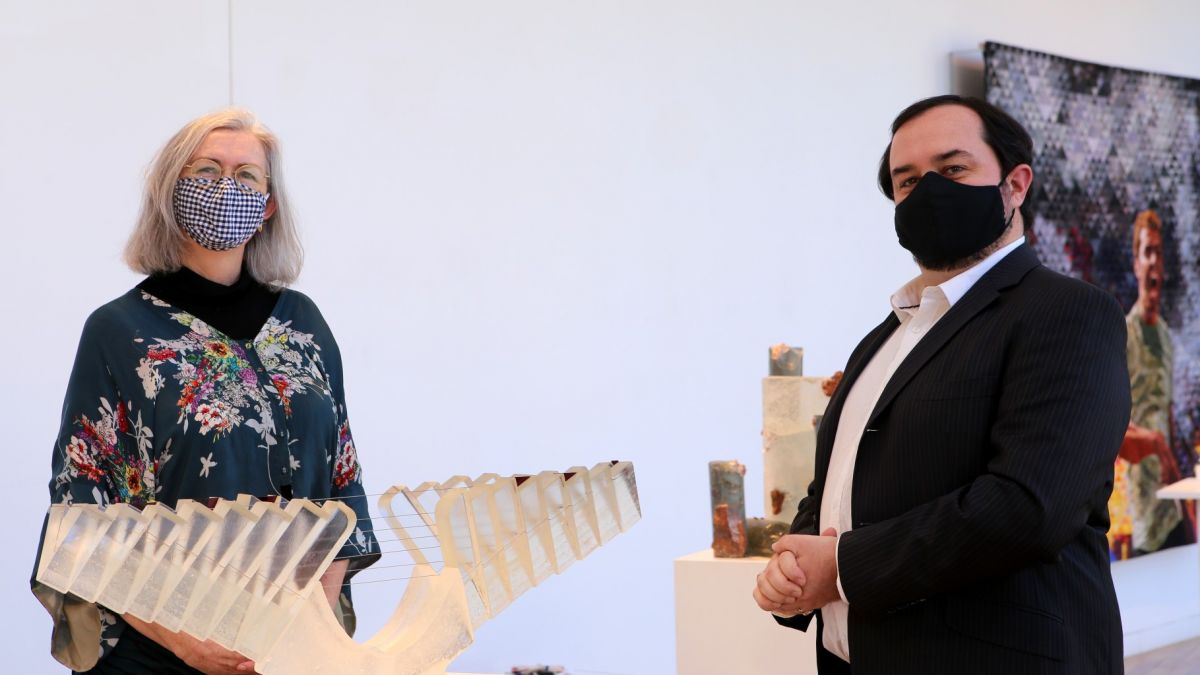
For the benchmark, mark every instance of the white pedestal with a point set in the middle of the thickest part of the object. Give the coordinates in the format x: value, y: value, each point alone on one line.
x: 1188, y: 488
x: 720, y: 631
x: 1159, y: 594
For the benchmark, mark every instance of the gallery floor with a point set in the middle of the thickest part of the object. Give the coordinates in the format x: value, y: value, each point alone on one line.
x: 1182, y: 657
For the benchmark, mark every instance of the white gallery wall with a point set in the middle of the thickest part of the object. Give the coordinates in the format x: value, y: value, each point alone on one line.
x: 544, y: 233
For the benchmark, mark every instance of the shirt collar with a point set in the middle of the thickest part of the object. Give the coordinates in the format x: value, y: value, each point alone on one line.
x: 909, y: 297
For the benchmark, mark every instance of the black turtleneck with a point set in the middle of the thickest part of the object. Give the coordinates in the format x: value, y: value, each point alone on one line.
x: 238, y: 311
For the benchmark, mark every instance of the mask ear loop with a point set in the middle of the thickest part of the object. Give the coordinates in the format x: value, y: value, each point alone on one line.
x: 1013, y: 213
x: 264, y: 220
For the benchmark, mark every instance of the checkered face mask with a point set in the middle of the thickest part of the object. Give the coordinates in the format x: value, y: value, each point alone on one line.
x: 218, y: 214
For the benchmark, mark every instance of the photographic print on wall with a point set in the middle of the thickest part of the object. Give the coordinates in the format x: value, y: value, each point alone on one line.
x: 1117, y: 203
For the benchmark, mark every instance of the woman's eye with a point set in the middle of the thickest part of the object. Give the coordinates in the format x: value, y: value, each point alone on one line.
x: 951, y: 170
x: 206, y: 170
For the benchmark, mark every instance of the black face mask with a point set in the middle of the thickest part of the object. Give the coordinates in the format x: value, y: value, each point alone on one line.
x: 943, y: 221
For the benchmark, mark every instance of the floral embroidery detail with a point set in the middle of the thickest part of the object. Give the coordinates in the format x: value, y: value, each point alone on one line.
x: 161, y: 354
x: 345, y: 467
x: 294, y: 361
x: 215, y: 416
x: 110, y: 630
x: 284, y: 389
x: 99, y: 451
x: 206, y: 463
x: 148, y: 373
x: 218, y: 349
x: 219, y: 387
x: 80, y: 456
x: 364, y: 544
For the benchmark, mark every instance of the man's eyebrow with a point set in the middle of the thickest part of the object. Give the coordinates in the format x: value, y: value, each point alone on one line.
x: 952, y: 153
x: 949, y: 154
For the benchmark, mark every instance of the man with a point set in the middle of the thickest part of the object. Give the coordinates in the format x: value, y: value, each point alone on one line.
x: 964, y: 464
x: 1146, y: 460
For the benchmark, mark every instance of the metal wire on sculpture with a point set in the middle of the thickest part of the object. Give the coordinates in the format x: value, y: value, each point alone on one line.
x: 246, y: 572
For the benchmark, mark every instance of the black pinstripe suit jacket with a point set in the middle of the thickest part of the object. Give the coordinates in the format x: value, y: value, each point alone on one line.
x: 981, y: 485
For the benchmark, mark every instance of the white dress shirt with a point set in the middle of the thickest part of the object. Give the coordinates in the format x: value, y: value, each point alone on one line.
x: 918, y: 307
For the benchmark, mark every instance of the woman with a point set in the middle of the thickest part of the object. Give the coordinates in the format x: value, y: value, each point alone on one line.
x: 208, y: 379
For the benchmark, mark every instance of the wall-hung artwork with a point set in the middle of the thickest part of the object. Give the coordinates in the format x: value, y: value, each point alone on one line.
x: 1117, y: 204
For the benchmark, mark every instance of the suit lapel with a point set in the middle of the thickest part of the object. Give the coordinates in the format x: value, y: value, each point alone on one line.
x: 833, y: 412
x: 1008, y: 272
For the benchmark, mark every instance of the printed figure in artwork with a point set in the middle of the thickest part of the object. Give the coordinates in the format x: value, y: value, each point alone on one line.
x: 1142, y: 523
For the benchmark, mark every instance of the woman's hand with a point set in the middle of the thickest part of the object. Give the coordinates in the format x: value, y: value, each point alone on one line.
x: 205, y: 656
x: 210, y: 657
x: 332, y: 580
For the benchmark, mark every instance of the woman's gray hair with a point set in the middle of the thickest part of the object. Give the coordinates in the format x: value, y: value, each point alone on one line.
x: 273, y: 256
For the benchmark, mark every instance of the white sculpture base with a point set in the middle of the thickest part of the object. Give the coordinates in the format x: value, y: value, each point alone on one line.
x: 718, y: 628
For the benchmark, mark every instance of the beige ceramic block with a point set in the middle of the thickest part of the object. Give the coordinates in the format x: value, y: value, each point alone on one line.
x: 790, y: 406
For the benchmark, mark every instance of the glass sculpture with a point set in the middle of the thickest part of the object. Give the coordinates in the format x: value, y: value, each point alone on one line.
x: 246, y: 572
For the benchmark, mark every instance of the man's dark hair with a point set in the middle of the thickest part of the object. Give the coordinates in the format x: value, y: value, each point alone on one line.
x: 1003, y: 134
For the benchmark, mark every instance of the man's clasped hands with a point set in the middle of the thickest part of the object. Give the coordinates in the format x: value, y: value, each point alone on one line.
x: 801, y: 575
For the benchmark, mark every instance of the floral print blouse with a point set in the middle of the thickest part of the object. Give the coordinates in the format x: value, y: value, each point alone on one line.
x: 162, y: 406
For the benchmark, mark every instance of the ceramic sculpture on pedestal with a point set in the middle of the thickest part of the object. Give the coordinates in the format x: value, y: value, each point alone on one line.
x: 792, y: 405
x: 726, y: 486
x: 761, y: 534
